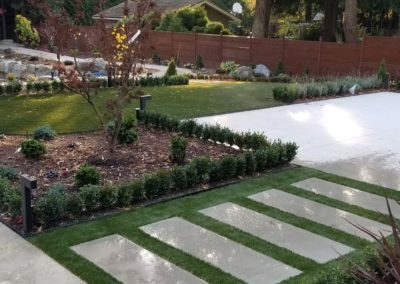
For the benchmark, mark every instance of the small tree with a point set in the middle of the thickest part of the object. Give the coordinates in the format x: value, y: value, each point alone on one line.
x: 199, y: 62
x: 26, y: 34
x: 171, y: 71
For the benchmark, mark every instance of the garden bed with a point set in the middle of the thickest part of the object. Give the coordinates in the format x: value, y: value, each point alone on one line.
x: 66, y: 153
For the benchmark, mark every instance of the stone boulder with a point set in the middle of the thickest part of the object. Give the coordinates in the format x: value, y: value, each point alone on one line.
x: 262, y: 71
x: 9, y: 53
x: 244, y: 72
x: 99, y: 64
x: 42, y: 70
x: 19, y: 70
x: 85, y: 66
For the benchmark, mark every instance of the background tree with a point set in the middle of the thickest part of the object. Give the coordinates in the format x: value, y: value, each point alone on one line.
x: 262, y: 18
x: 331, y: 9
x: 350, y: 21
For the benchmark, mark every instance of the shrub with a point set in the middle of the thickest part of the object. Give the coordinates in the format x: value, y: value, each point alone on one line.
x: 171, y: 71
x: 178, y: 149
x: 228, y: 167
x: 250, y: 162
x: 87, y: 175
x: 108, y: 196
x: 12, y: 201
x: 29, y: 87
x: 202, y: 166
x: 33, y: 149
x: 56, y: 86
x: 73, y: 205
x: 179, y: 178
x: 125, y: 195
x: 216, y: 28
x: 4, y: 186
x: 8, y: 173
x: 199, y: 62
x: 177, y: 80
x: 44, y: 132
x: 13, y: 88
x: 68, y: 62
x: 286, y: 94
x: 45, y: 86
x: 37, y: 86
x: 228, y: 67
x: 152, y: 188
x: 50, y: 206
x: 240, y: 166
x: 215, y: 171
x: 280, y: 69
x: 137, y: 189
x: 90, y: 195
x: 187, y: 127
x: 191, y: 176
x: 26, y: 33
x: 11, y: 77
x: 127, y: 133
x: 398, y: 85
x: 382, y: 71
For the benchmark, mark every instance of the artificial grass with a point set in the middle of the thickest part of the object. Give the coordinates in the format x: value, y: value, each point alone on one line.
x: 68, y: 113
x: 56, y: 242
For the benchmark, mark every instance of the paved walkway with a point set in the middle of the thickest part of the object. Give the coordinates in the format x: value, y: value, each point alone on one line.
x: 356, y: 137
x: 21, y: 262
x: 52, y: 56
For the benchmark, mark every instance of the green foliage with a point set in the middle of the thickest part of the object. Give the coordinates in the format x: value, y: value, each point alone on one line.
x: 202, y: 166
x: 127, y: 133
x: 12, y: 201
x: 179, y: 178
x: 4, y: 186
x: 171, y: 71
x: 227, y: 67
x: 87, y: 174
x: 152, y: 186
x: 46, y: 86
x: 13, y: 88
x: 33, y: 149
x: 228, y: 167
x: 280, y: 69
x: 108, y: 196
x: 50, y: 206
x: 199, y: 62
x: 68, y: 63
x: 287, y: 94
x: 73, y: 205
x: 178, y: 149
x: 26, y: 33
x: 382, y: 71
x: 398, y: 85
x: 187, y: 127
x: 216, y: 28
x: 90, y: 195
x: 45, y: 132
x: 8, y: 173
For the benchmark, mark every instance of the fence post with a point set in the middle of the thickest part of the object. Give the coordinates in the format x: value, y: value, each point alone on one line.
x: 221, y: 47
x: 360, y: 67
x: 195, y: 47
x: 27, y: 184
x: 319, y: 55
x: 172, y: 44
x: 251, y: 49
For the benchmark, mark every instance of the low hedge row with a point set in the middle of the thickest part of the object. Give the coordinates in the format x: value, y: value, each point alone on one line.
x: 214, y: 133
x: 148, y: 81
x: 57, y: 203
x: 293, y: 92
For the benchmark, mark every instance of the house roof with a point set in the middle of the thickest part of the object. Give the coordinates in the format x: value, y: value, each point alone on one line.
x: 117, y: 12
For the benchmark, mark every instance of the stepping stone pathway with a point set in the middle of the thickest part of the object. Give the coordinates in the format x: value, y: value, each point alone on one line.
x: 231, y: 257
x: 320, y: 213
x: 349, y: 195
x: 130, y: 263
x: 21, y: 262
x: 299, y: 241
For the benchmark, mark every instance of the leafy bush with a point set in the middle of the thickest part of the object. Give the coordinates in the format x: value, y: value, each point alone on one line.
x: 87, y: 175
x: 191, y: 176
x: 171, y: 71
x: 202, y: 166
x: 11, y: 77
x: 57, y: 86
x: 187, y: 127
x: 398, y: 85
x: 68, y: 62
x: 280, y: 69
x: 73, y: 205
x: 185, y: 19
x: 152, y: 188
x: 127, y: 133
x: 45, y: 86
x: 382, y: 71
x: 125, y: 195
x: 37, y: 86
x: 12, y: 201
x: 250, y: 163
x: 108, y: 196
x: 199, y: 62
x: 216, y: 28
x: 179, y: 178
x: 13, y: 88
x: 90, y: 195
x: 26, y: 33
x: 29, y: 87
x: 44, y: 132
x: 50, y: 206
x: 8, y: 173
x: 228, y: 67
x: 33, y: 149
x: 4, y: 186
x: 177, y: 80
x: 228, y: 167
x: 178, y: 149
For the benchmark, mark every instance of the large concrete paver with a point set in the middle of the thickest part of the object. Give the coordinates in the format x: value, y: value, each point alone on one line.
x: 131, y: 264
x: 321, y: 213
x: 231, y: 257
x: 357, y: 137
x: 349, y: 195
x: 299, y: 241
x: 22, y: 263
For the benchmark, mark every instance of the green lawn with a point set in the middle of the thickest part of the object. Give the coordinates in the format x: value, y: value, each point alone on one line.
x: 69, y: 113
x: 57, y: 242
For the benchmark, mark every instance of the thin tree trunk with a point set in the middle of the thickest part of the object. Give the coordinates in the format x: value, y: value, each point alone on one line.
x: 261, y: 18
x: 350, y: 21
x: 331, y: 8
x: 308, y: 8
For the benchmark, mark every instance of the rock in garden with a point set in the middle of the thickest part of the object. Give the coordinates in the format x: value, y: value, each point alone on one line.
x: 19, y: 70
x: 3, y: 137
x: 9, y: 53
x: 43, y: 70
x: 262, y: 71
x: 244, y: 72
x: 99, y: 64
x: 85, y: 66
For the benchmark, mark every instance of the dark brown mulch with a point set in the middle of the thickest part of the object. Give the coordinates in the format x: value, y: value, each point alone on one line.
x: 67, y: 153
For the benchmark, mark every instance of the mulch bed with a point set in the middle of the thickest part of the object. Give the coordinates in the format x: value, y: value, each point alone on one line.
x: 66, y: 153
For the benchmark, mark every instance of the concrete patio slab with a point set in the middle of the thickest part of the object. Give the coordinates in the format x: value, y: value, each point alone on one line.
x: 349, y: 195
x: 299, y: 241
x: 320, y: 213
x: 231, y: 257
x: 356, y: 137
x: 130, y: 263
x: 21, y: 263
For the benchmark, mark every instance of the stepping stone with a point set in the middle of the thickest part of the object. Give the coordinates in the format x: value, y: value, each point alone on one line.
x: 130, y: 263
x: 349, y: 195
x: 231, y: 257
x: 302, y: 242
x: 320, y: 213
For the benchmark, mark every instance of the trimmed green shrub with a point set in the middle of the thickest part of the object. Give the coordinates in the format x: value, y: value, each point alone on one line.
x: 137, y: 188
x: 68, y: 62
x: 187, y: 127
x: 45, y: 132
x: 171, y: 71
x: 240, y: 166
x: 13, y: 88
x: 8, y: 173
x: 45, y: 86
x: 228, y: 167
x: 178, y: 178
x: 73, y: 205
x: 191, y: 175
x: 215, y: 171
x: 251, y: 165
x: 152, y: 188
x: 4, y: 186
x: 37, y: 86
x: 29, y: 87
x: 199, y: 62
x: 227, y: 67
x: 202, y: 165
x: 90, y: 195
x: 108, y: 196
x: 125, y: 195
x: 178, y: 149
x: 33, y: 149
x: 50, y: 206
x: 87, y: 174
x: 12, y: 201
x: 127, y: 133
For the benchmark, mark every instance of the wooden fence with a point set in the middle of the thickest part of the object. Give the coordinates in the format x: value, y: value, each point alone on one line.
x: 323, y: 58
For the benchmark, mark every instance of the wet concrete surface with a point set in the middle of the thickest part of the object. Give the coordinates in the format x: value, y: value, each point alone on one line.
x: 357, y: 137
